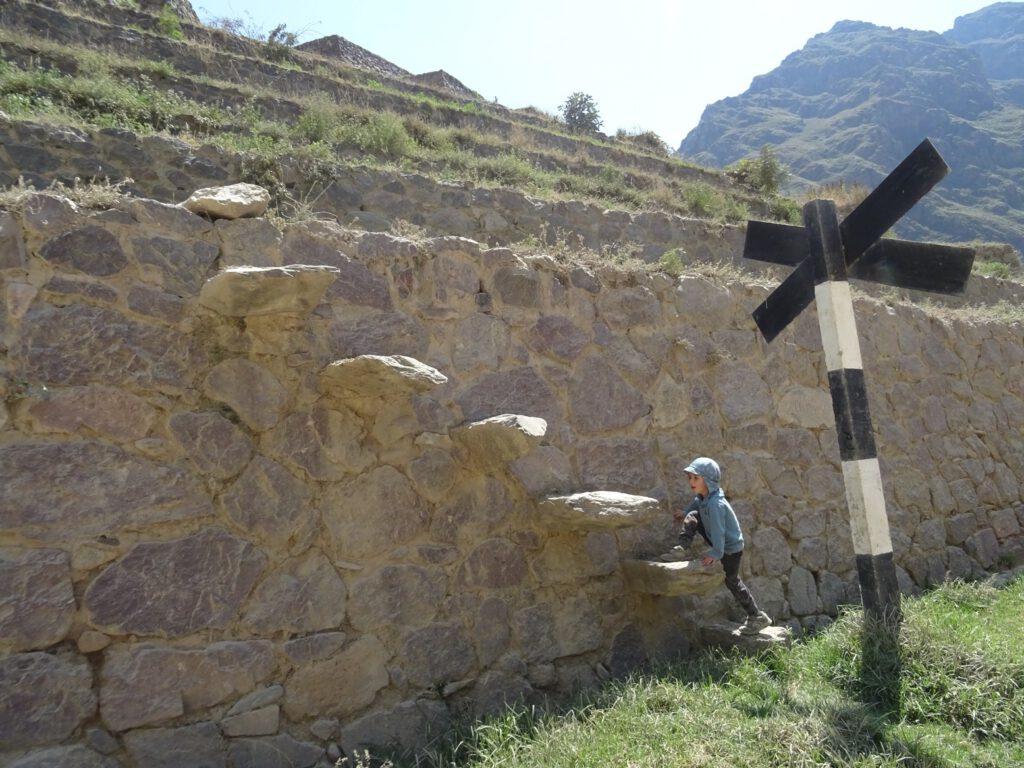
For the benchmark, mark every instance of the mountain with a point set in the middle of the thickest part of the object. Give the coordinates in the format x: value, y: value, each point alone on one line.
x: 855, y: 100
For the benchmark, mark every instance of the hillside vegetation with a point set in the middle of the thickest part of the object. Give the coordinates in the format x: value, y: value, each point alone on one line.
x: 298, y: 117
x: 88, y: 64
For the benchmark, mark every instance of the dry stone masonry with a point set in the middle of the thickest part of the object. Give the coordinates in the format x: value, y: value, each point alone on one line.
x: 267, y: 497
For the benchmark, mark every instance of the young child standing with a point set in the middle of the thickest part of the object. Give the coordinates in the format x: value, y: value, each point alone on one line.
x: 711, y: 515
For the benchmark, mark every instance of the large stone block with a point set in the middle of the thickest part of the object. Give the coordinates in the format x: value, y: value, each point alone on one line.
x: 200, y: 745
x: 600, y: 399
x: 272, y: 506
x: 73, y: 756
x: 408, y: 727
x: 66, y: 491
x: 281, y: 751
x: 303, y: 595
x: 479, y: 341
x: 12, y: 246
x: 109, y: 411
x: 37, y: 602
x: 379, y: 333
x: 234, y: 201
x: 473, y: 511
x: 438, y: 654
x: 625, y: 464
x: 493, y: 564
x: 802, y: 592
x: 557, y: 337
x: 92, y: 250
x: 253, y: 392
x: 179, y: 267
x: 545, y: 631
x: 518, y: 390
x: 80, y: 345
x: 339, y: 686
x: 544, y: 470
x: 397, y: 595
x: 372, y: 514
x: 177, y: 587
x: 326, y: 443
x: 216, y: 445
x: 379, y: 377
x: 149, y: 684
x: 45, y: 698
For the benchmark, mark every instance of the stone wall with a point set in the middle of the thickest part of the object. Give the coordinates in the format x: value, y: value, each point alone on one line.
x: 287, y: 512
x: 164, y: 168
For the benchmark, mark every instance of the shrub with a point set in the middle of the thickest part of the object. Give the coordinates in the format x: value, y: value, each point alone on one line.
x: 647, y: 140
x: 764, y: 174
x: 580, y: 113
x: 381, y: 134
x: 168, y: 24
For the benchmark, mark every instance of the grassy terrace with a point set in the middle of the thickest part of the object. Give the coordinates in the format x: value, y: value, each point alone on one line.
x: 955, y: 700
x: 273, y: 103
x: 323, y: 113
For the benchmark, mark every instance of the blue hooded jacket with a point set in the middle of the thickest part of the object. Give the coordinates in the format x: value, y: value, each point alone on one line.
x: 717, y: 515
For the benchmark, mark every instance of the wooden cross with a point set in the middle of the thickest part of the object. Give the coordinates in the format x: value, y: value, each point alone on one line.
x: 826, y: 253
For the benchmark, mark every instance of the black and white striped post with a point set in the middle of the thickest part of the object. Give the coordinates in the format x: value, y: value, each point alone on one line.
x: 825, y: 253
x: 862, y: 477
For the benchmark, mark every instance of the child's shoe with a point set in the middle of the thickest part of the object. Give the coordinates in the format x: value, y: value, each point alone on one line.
x: 755, y: 624
x: 675, y: 555
x: 678, y: 552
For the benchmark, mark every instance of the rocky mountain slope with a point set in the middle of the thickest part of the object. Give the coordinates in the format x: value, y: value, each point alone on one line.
x: 855, y: 100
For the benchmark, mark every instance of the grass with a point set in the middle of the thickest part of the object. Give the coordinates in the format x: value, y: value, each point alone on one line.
x: 110, y: 90
x: 952, y: 696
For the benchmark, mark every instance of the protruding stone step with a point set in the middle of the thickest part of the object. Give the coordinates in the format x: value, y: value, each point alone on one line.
x: 499, y: 440
x: 728, y: 636
x: 235, y: 201
x: 250, y: 291
x: 597, y: 511
x: 379, y: 376
x: 684, y: 577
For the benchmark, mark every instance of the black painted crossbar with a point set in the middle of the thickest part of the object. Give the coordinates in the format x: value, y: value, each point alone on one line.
x: 931, y: 267
x: 919, y: 266
x: 889, y: 202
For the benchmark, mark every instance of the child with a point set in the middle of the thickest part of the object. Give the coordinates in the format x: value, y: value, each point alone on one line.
x: 711, y: 515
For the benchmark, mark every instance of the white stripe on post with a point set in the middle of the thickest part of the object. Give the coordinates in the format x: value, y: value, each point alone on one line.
x: 838, y: 325
x: 869, y: 523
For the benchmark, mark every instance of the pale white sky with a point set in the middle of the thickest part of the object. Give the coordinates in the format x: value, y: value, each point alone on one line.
x: 650, y: 65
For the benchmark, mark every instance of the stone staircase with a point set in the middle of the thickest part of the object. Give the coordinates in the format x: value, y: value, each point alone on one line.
x: 372, y: 384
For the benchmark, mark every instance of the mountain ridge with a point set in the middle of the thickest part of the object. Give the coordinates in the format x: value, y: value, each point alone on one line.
x: 855, y: 100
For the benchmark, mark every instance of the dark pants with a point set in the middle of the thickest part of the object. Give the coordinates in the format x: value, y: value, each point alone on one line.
x: 692, y: 525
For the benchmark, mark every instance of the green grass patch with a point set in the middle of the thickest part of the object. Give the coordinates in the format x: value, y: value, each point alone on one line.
x: 959, y: 702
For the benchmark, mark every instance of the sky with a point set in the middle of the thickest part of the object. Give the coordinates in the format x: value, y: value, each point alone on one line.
x: 648, y: 65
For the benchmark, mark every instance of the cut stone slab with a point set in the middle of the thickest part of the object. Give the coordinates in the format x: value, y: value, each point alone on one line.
x: 597, y: 511
x: 685, y: 577
x: 252, y: 291
x: 379, y: 376
x: 499, y: 440
x: 728, y: 636
x: 235, y: 201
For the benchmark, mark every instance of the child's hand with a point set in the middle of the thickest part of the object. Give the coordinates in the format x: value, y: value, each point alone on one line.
x: 708, y: 560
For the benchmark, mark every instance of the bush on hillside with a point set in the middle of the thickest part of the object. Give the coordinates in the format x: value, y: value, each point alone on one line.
x: 765, y: 174
x: 580, y: 113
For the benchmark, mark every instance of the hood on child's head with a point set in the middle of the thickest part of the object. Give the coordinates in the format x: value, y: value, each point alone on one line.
x: 708, y: 469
